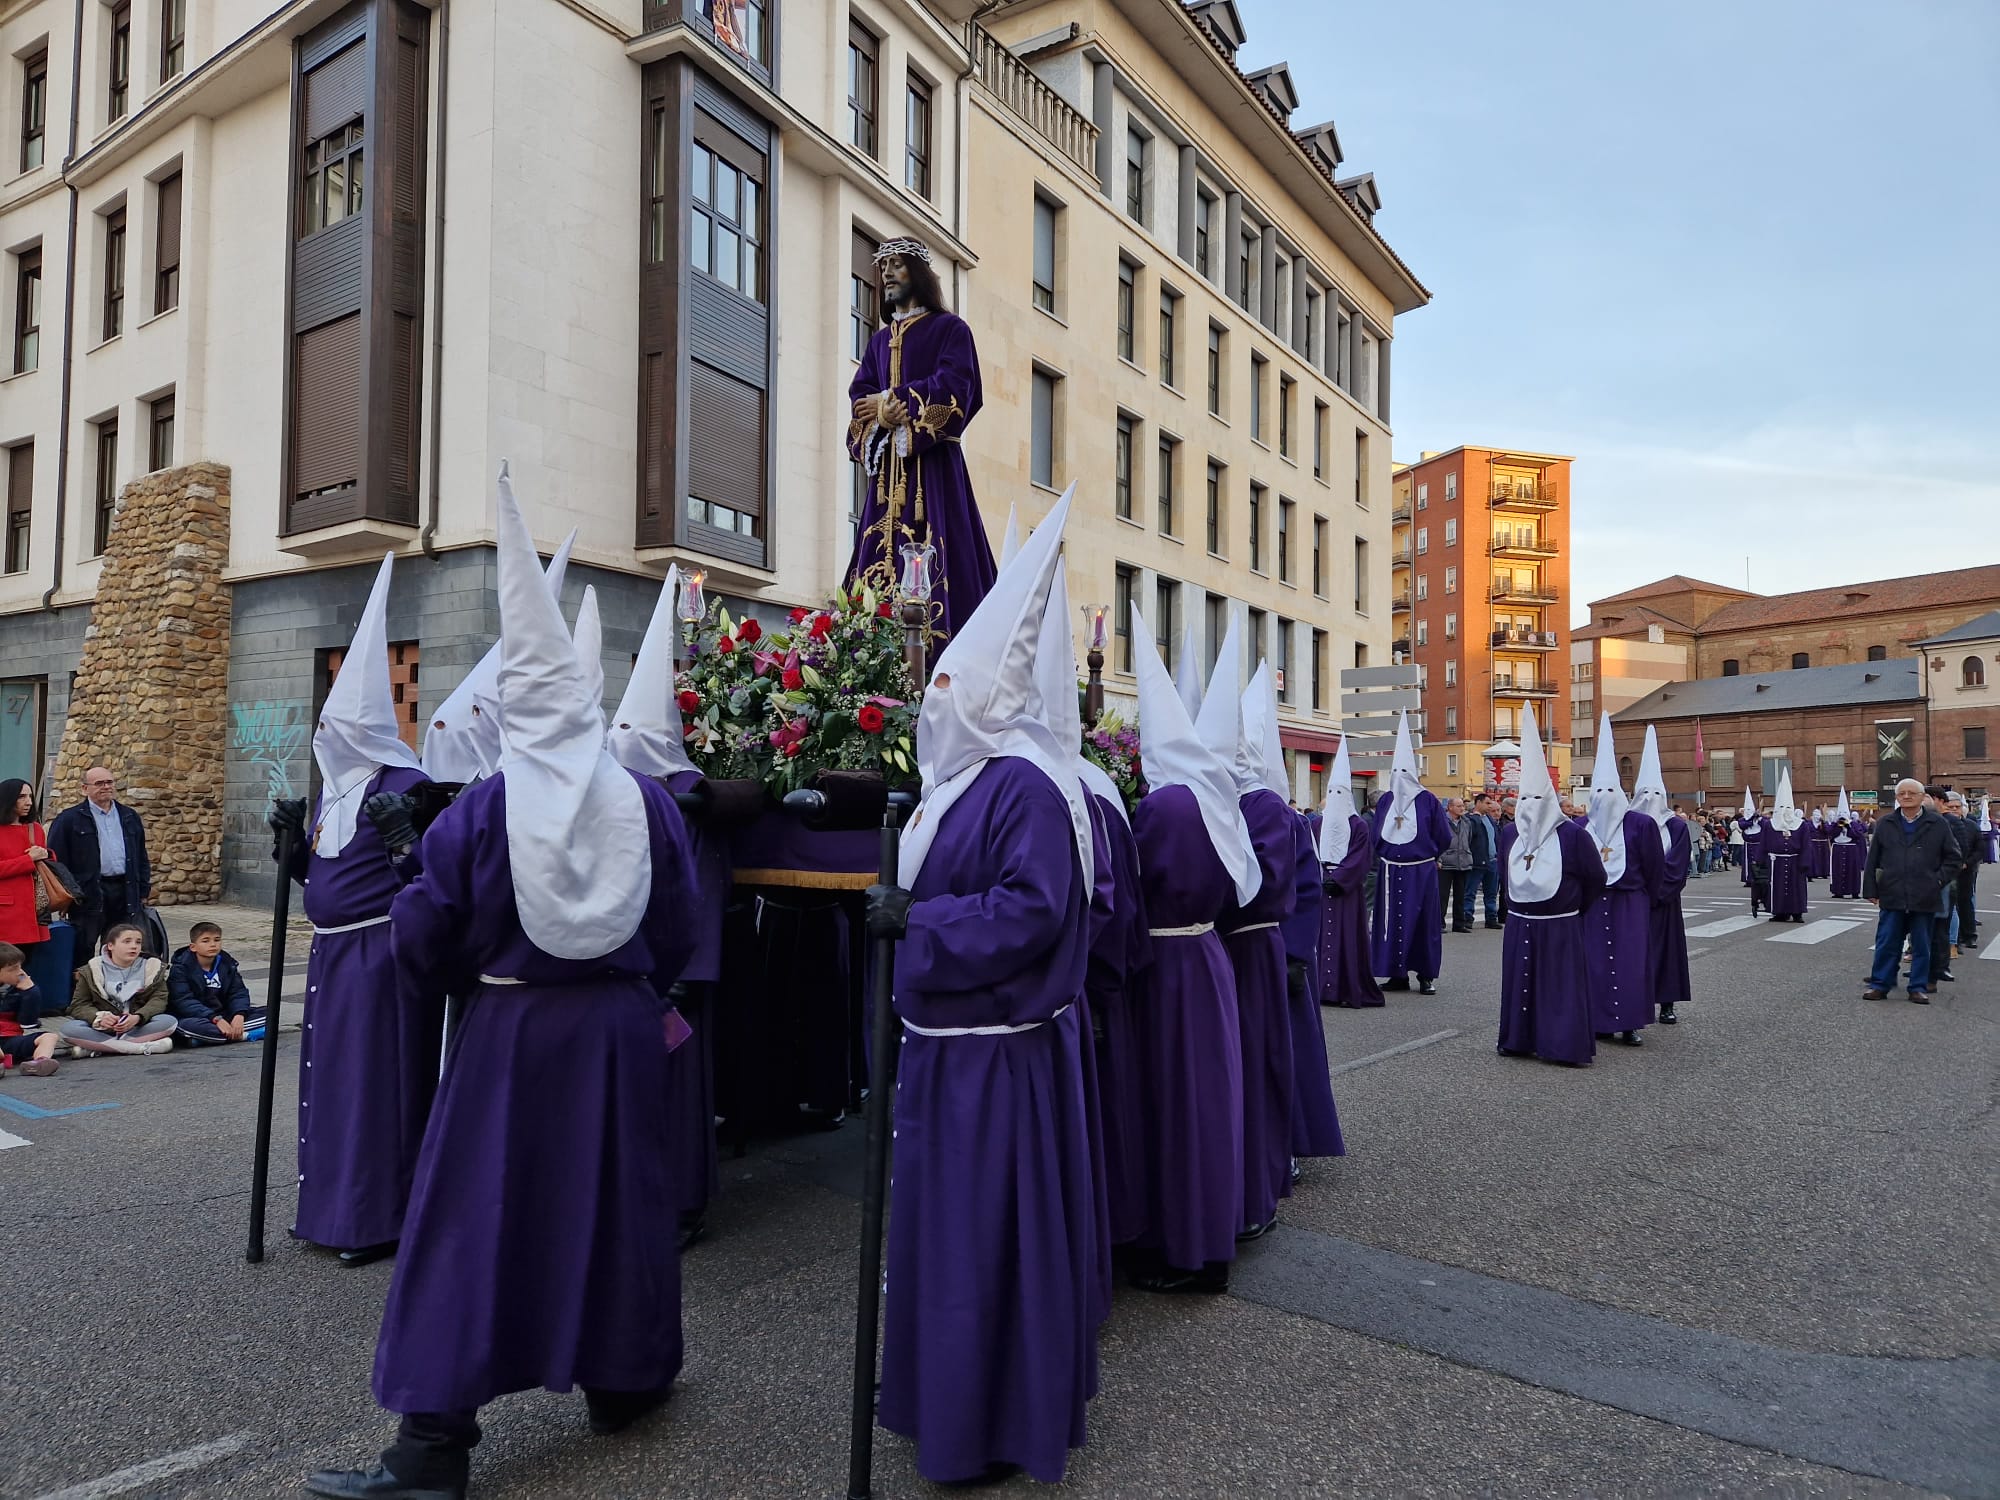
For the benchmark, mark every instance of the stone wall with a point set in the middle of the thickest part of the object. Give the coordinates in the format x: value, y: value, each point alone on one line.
x: 150, y: 695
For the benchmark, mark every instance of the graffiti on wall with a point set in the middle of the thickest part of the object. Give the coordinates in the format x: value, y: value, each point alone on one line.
x: 271, y: 735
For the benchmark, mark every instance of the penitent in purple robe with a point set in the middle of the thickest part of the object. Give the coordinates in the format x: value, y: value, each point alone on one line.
x: 368, y: 1050
x: 989, y: 1344
x: 922, y: 494
x: 690, y: 1141
x: 1120, y: 950
x: 1819, y: 849
x: 1544, y: 973
x: 1315, y: 1120
x: 1846, y: 862
x: 1257, y: 954
x: 1787, y: 854
x: 1618, y: 932
x: 1102, y: 913
x: 1408, y: 931
x: 1669, y: 940
x: 540, y: 1244
x: 1192, y: 1091
x: 1346, y: 975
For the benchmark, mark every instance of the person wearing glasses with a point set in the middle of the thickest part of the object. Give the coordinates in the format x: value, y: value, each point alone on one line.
x: 102, y: 843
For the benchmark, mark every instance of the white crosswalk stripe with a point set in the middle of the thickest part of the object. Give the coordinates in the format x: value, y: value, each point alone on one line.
x: 1814, y: 932
x: 1991, y: 950
x: 1726, y: 926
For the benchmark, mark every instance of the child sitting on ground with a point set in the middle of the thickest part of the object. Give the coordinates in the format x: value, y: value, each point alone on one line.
x: 120, y: 1000
x: 207, y: 995
x: 34, y: 1053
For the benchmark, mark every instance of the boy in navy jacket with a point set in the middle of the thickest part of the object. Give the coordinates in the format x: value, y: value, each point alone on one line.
x: 28, y: 1048
x: 206, y: 992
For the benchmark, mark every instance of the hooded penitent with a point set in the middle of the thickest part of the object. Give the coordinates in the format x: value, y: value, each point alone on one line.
x: 357, y: 735
x: 1649, y: 792
x: 1785, y: 816
x: 1608, y: 804
x: 1187, y: 674
x: 1749, y: 816
x: 1055, y: 665
x: 985, y: 700
x: 646, y: 733
x: 1010, y: 540
x: 576, y: 822
x: 463, y: 743
x: 1172, y: 753
x: 1220, y: 722
x: 1534, y: 864
x: 1261, y: 745
x: 1335, y: 829
x: 1400, y: 824
x: 588, y: 639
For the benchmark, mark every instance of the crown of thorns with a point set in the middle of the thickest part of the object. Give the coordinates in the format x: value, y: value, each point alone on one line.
x: 905, y: 247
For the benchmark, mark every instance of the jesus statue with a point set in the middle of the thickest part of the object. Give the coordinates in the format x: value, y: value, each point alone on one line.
x: 916, y: 389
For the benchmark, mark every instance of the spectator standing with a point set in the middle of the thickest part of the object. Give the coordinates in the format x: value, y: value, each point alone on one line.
x: 22, y: 847
x: 120, y: 1000
x: 103, y: 844
x: 206, y: 992
x: 1971, y: 848
x: 1912, y: 857
x: 1455, y: 867
x: 1483, y: 883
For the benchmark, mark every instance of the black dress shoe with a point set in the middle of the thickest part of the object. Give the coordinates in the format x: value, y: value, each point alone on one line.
x: 374, y: 1484
x: 1255, y: 1231
x: 1427, y: 987
x: 991, y: 1474
x: 1918, y: 997
x: 614, y: 1411
x: 367, y: 1255
x: 1948, y: 978
x: 693, y: 1225
x: 1873, y: 994
x: 1298, y: 1172
x: 1172, y: 1281
x: 1493, y: 924
x: 1400, y: 982
x: 1667, y: 1016
x: 1630, y: 1039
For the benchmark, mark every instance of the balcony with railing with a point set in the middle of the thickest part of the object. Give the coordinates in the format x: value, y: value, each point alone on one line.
x: 1400, y: 557
x: 1046, y: 112
x: 1400, y: 645
x: 1400, y: 605
x: 1505, y: 686
x: 1523, y: 494
x: 1400, y: 513
x: 1524, y: 593
x: 1516, y: 639
x: 1523, y: 544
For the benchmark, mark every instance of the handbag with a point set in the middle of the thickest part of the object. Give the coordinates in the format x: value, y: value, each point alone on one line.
x: 56, y: 890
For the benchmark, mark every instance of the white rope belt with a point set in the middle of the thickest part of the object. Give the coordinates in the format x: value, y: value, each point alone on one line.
x: 982, y: 1030
x: 1253, y: 927
x: 499, y: 979
x: 1195, y: 931
x: 1410, y: 863
x: 1541, y: 916
x: 380, y: 921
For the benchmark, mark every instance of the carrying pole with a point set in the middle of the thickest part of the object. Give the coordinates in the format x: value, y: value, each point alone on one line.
x: 260, y: 1172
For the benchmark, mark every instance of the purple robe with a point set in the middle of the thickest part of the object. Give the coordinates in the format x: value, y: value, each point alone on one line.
x: 989, y: 1345
x: 1845, y: 863
x: 368, y: 1049
x: 1315, y: 1120
x: 1408, y: 931
x: 1787, y: 854
x: 1669, y: 942
x: 1102, y: 914
x: 1193, y: 1064
x: 1819, y: 850
x: 539, y: 1249
x: 1544, y: 971
x: 690, y: 1142
x: 1618, y: 933
x: 1752, y: 832
x: 928, y: 361
x: 1257, y: 954
x: 1989, y: 847
x: 1120, y: 950
x: 1346, y: 976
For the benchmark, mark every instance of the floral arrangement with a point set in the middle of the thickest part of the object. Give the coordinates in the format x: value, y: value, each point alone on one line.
x: 1113, y: 745
x: 829, y: 693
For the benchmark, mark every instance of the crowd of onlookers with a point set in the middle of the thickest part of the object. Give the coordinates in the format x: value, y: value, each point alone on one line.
x: 77, y: 969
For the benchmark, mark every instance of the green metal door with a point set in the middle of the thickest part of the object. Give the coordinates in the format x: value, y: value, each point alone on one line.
x: 21, y: 730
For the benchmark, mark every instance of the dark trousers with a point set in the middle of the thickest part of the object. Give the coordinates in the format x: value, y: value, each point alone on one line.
x: 114, y: 904
x: 1483, y: 882
x: 203, y: 1033
x: 1968, y: 910
x: 1451, y: 898
x: 1941, y: 943
x: 433, y: 1449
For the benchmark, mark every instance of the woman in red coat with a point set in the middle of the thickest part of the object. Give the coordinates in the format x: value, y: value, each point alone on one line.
x: 22, y: 847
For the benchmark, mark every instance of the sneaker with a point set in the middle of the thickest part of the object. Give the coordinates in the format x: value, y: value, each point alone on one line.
x: 154, y: 1047
x: 39, y: 1067
x: 76, y: 1053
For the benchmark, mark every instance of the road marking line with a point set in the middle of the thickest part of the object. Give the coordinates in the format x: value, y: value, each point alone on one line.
x: 9, y: 1142
x: 29, y: 1111
x: 1375, y: 1057
x: 152, y: 1471
x: 1991, y: 950
x: 1814, y: 932
x: 1726, y: 926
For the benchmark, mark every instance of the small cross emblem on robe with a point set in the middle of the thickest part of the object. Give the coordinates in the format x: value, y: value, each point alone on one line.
x: 1528, y: 860
x: 1401, y: 820
x: 1604, y: 850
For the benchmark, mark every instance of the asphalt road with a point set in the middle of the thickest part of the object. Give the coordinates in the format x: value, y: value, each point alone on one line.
x: 1754, y: 1257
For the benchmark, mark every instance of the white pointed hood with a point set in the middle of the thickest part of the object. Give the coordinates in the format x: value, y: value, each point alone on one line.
x: 577, y: 833
x: 1608, y: 804
x: 1534, y: 864
x: 1187, y: 674
x: 1649, y: 792
x: 1010, y: 540
x: 1055, y: 665
x: 1748, y: 817
x: 356, y: 735
x: 1220, y: 722
x: 646, y: 733
x: 463, y: 741
x: 1336, y: 827
x: 1842, y: 813
x: 985, y: 700
x: 1260, y: 734
x: 1985, y: 814
x: 1172, y: 754
x: 1785, y: 816
x: 1399, y: 824
x: 588, y: 640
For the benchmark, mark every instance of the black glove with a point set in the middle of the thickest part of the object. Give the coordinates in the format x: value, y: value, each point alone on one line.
x: 1332, y: 887
x: 1295, y: 976
x: 394, y: 817
x: 888, y: 911
x: 431, y: 798
x: 288, y: 816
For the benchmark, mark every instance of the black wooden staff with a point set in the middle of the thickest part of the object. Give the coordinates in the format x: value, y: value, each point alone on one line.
x: 260, y: 1172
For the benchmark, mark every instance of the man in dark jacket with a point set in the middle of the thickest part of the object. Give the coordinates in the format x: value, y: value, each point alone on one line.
x: 1970, y: 841
x: 1484, y: 881
x: 1913, y: 856
x: 103, y: 844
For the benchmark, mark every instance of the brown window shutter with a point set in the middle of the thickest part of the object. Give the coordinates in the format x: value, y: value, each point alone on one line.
x: 168, y: 241
x: 405, y: 191
x: 725, y: 440
x: 655, y: 435
x: 20, y: 478
x: 326, y: 402
x: 405, y: 361
x: 337, y: 90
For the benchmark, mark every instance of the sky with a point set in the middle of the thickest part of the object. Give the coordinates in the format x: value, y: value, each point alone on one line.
x: 1741, y: 258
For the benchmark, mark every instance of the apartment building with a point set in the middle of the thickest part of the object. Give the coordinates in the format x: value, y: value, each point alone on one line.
x: 1184, y: 304
x: 1481, y: 574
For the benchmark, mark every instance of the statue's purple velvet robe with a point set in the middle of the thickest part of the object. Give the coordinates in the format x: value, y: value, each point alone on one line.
x: 1315, y: 1120
x: 1346, y: 975
x: 989, y: 1345
x: 1668, y: 937
x: 1787, y: 854
x: 1618, y: 933
x: 1408, y: 931
x: 1257, y: 954
x: 690, y: 1140
x: 1119, y: 952
x: 368, y: 1049
x: 1845, y: 863
x: 1544, y: 973
x: 1193, y: 1066
x: 935, y: 372
x: 539, y: 1249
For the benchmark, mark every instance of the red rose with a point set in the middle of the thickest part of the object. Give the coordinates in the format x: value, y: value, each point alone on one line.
x: 690, y: 700
x: 822, y: 627
x: 725, y: 645
x: 792, y: 750
x: 870, y: 719
x: 749, y: 631
x: 799, y: 614
x: 884, y: 610
x: 792, y: 678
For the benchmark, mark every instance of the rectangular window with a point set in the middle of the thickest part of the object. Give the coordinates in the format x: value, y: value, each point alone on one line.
x: 1169, y: 338
x: 1423, y: 497
x: 105, y: 491
x: 1451, y: 627
x: 1451, y: 486
x: 1169, y: 453
x: 1122, y: 478
x: 334, y: 172
x: 1360, y: 577
x: 864, y: 294
x: 1361, y: 469
x: 1257, y: 369
x: 917, y: 136
x: 1257, y: 493
x: 726, y: 221
x: 1255, y: 621
x: 1830, y: 765
x: 1244, y: 260
x: 1042, y: 416
x: 1721, y: 768
x: 114, y: 273
x: 27, y: 310
x: 1045, y: 254
x: 160, y: 441
x: 1285, y: 509
x: 173, y: 38
x: 34, y: 109
x: 857, y: 500
x: 1975, y: 742
x: 1167, y: 618
x: 1215, y: 370
x: 1127, y: 306
x: 1215, y: 625
x: 1451, y: 532
x: 1287, y: 394
x: 1451, y: 722
x: 1319, y: 439
x: 1121, y: 614
x: 1423, y: 585
x: 1135, y: 174
x: 1423, y: 632
x: 1771, y: 767
x: 1204, y: 232
x: 1423, y: 540
x: 1319, y: 556
x: 1450, y: 764
x: 167, y: 244
x: 864, y: 58
x: 1451, y: 672
x: 738, y: 25
x: 1319, y: 672
x: 20, y: 504
x: 118, y: 70
x: 1214, y: 507
x: 1451, y: 580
